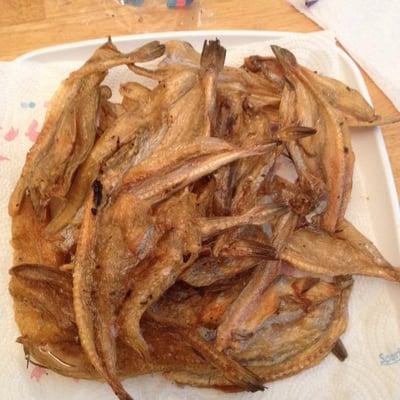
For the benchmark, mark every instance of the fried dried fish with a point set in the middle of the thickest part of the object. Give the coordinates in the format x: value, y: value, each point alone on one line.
x: 313, y: 343
x: 210, y: 308
x: 135, y: 129
x: 233, y: 371
x: 70, y: 128
x: 208, y: 270
x: 83, y: 287
x: 248, y: 302
x: 349, y: 253
x: 259, y: 215
x: 333, y: 153
x: 48, y: 291
x: 195, y: 229
x: 175, y: 251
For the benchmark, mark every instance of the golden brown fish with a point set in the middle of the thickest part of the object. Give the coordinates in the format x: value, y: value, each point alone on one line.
x: 194, y: 229
x: 347, y: 253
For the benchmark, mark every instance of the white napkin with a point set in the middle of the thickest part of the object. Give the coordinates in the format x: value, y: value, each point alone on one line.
x: 374, y: 330
x: 369, y: 31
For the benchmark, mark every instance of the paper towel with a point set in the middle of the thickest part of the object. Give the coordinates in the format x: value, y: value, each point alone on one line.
x: 373, y: 335
x: 369, y: 31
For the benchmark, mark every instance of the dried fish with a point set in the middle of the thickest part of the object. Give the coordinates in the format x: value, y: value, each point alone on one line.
x: 348, y: 253
x: 194, y: 229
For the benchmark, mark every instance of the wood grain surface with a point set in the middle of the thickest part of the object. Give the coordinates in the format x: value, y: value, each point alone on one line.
x: 31, y: 24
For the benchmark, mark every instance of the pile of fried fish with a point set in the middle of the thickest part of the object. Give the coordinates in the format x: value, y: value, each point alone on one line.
x: 197, y: 227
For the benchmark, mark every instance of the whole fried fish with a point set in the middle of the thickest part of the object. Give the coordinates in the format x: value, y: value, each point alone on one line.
x: 197, y: 227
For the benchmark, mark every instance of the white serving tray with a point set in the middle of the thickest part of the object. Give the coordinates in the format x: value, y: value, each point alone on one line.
x: 364, y: 378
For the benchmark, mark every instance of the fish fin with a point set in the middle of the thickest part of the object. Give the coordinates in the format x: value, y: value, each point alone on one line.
x: 339, y: 350
x: 233, y: 371
x: 148, y: 52
x: 389, y: 273
x: 378, y: 121
x: 285, y: 57
x: 259, y: 249
x: 295, y: 133
x: 213, y: 55
x: 249, y: 248
x: 136, y: 341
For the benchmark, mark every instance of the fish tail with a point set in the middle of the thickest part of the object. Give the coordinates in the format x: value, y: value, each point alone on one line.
x: 377, y: 121
x: 233, y: 371
x: 137, y: 342
x: 109, y: 45
x: 295, y: 133
x: 390, y: 273
x: 261, y: 250
x: 213, y: 55
x: 148, y: 52
x: 285, y: 57
x: 265, y: 213
x: 117, y: 388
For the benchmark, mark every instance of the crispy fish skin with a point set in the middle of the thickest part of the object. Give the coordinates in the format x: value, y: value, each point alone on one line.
x: 212, y: 62
x: 186, y: 306
x: 136, y: 304
x: 141, y: 130
x: 233, y: 371
x: 159, y: 187
x: 348, y: 231
x: 187, y: 330
x: 268, y: 67
x: 83, y: 287
x: 45, y: 274
x: 127, y: 236
x: 61, y: 103
x: 209, y: 270
x: 196, y: 371
x: 335, y: 154
x: 246, y: 303
x: 292, y: 195
x: 135, y: 97
x: 102, y: 150
x: 108, y: 111
x: 175, y: 251
x: 164, y: 271
x: 75, y: 97
x: 313, y: 250
x: 174, y: 156
x: 48, y: 293
x: 256, y: 292
x: 259, y: 215
x: 342, y: 97
x: 336, y: 164
x: 310, y: 356
x: 144, y: 249
x: 378, y: 121
x: 147, y: 52
x: 30, y: 244
x: 306, y: 166
x: 180, y: 52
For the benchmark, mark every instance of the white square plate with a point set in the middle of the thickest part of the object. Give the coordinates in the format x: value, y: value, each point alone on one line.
x: 371, y: 335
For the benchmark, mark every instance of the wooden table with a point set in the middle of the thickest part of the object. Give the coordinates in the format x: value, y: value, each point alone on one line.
x: 30, y: 24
